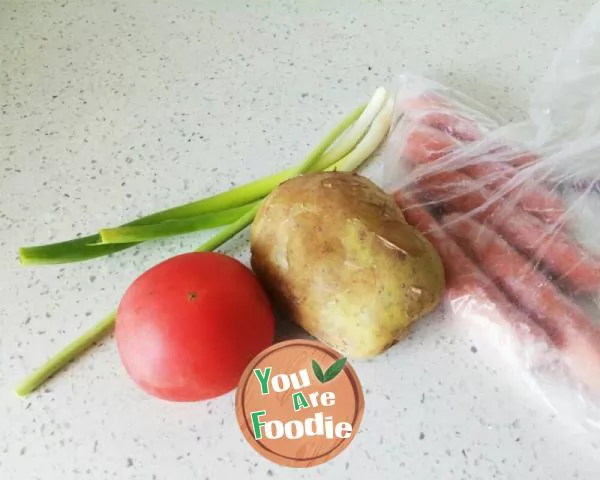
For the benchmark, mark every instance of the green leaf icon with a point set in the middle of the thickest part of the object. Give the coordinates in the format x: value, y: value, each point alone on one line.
x: 335, y: 369
x: 318, y: 371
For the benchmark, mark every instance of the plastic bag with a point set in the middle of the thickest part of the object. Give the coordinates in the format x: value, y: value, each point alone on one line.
x: 514, y: 211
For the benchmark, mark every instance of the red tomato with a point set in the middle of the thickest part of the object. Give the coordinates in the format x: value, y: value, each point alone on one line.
x: 188, y: 327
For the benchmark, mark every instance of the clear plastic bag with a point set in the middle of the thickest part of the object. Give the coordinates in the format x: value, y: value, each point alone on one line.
x: 514, y: 211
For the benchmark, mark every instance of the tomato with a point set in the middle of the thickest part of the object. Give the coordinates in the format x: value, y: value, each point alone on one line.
x: 188, y: 327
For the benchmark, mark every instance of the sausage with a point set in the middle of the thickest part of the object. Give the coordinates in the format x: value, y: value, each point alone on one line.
x: 534, y: 199
x: 465, y: 282
x: 565, y: 323
x: 457, y: 192
x: 424, y: 144
x: 432, y: 110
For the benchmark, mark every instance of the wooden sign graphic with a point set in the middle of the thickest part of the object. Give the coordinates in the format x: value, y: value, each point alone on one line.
x: 299, y: 403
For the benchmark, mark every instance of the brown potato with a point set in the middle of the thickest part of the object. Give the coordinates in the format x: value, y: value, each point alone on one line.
x: 336, y: 253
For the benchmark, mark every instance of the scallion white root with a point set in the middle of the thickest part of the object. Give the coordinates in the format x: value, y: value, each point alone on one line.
x: 371, y: 141
x: 355, y: 133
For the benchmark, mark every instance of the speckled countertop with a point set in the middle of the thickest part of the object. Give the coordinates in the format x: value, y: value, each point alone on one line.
x: 113, y: 109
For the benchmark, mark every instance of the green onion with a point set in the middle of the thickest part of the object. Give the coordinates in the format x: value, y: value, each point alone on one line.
x: 365, y: 148
x: 131, y: 234
x: 66, y: 355
x: 76, y: 250
x: 170, y: 228
x: 93, y: 246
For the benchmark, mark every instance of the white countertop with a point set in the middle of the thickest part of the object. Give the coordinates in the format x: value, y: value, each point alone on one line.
x: 114, y: 109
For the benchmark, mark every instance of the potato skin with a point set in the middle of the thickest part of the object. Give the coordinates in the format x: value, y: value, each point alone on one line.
x: 337, y: 255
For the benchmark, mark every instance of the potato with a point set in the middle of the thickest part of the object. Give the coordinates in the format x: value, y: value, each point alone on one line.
x: 337, y: 255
